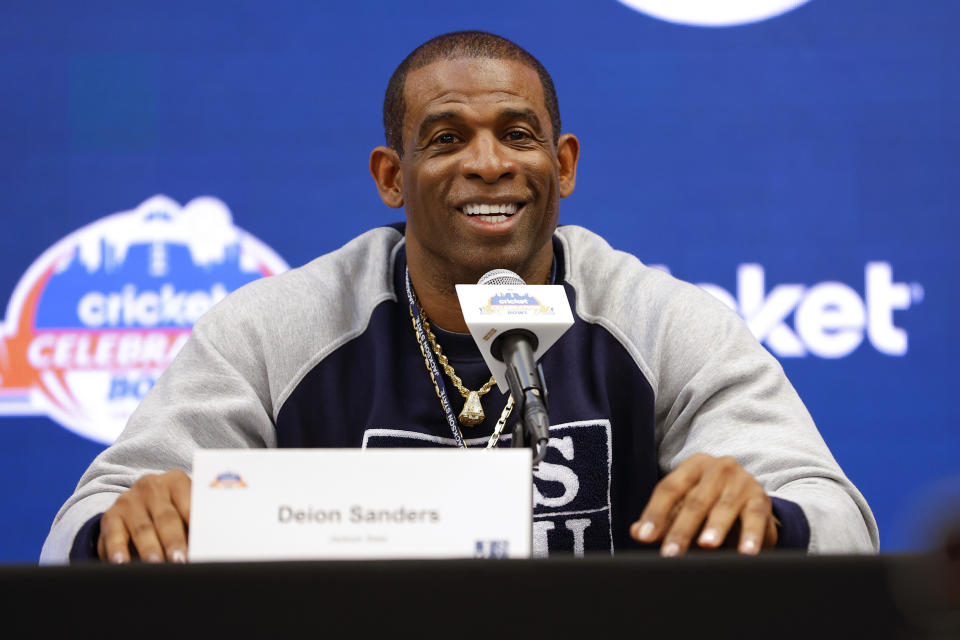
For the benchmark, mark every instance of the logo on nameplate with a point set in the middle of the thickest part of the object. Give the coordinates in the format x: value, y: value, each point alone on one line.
x: 492, y: 549
x: 228, y: 480
x: 98, y: 316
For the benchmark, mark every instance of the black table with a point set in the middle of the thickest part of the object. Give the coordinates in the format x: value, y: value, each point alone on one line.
x: 637, y: 596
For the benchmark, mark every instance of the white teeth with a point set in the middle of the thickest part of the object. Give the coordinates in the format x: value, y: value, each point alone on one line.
x: 490, y: 209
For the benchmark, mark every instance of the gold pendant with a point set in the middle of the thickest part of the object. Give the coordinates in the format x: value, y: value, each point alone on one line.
x: 472, y: 413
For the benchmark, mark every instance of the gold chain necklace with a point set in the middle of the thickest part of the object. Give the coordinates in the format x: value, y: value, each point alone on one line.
x: 504, y: 415
x: 472, y: 413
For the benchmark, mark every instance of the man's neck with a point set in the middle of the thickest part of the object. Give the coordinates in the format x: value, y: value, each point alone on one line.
x: 437, y: 296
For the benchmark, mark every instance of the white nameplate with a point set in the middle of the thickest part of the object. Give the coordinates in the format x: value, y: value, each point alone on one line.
x: 292, y: 504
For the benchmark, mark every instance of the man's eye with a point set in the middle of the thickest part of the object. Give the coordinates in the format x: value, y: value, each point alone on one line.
x: 445, y: 138
x: 517, y: 136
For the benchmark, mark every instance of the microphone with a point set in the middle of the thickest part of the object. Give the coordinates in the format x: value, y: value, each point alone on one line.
x: 515, y: 347
x: 501, y: 276
x: 513, y: 325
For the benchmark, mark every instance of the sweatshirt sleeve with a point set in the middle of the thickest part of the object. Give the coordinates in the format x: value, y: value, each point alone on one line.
x: 226, y: 386
x: 213, y: 395
x: 721, y: 393
x: 718, y: 391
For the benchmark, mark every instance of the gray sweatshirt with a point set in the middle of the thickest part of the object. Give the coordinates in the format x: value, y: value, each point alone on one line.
x: 653, y: 370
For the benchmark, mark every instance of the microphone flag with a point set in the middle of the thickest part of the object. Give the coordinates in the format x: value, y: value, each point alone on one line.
x: 490, y: 310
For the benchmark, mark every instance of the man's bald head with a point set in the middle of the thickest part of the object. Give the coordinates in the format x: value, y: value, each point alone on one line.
x: 449, y: 46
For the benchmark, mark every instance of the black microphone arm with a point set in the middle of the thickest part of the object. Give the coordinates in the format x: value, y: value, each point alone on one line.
x: 525, y: 378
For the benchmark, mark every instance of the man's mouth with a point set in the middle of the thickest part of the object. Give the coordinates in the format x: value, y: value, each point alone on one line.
x: 491, y: 212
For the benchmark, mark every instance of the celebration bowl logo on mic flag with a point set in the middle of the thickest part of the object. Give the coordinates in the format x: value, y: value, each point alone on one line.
x: 515, y: 303
x: 98, y: 316
x: 713, y: 13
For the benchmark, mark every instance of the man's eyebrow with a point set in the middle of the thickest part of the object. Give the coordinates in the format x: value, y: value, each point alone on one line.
x: 433, y: 118
x: 524, y: 114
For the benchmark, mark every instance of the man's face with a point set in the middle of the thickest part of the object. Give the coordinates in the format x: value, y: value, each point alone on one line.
x: 480, y: 176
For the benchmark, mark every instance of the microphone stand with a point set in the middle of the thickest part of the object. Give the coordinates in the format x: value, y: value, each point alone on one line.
x: 526, y: 382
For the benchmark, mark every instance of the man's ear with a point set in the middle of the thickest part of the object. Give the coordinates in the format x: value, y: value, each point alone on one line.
x: 385, y: 169
x: 568, y: 152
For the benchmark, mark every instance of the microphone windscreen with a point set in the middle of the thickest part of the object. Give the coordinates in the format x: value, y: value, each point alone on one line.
x: 501, y: 277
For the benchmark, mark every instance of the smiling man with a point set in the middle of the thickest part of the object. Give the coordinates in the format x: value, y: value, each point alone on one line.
x: 671, y: 426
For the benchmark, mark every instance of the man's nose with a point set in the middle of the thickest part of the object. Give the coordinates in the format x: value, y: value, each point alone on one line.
x: 486, y: 158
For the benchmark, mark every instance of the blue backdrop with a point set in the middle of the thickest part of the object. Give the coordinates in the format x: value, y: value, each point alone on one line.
x: 775, y: 160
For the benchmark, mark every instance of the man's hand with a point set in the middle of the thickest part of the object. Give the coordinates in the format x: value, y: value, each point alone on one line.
x: 152, y: 516
x: 707, y: 496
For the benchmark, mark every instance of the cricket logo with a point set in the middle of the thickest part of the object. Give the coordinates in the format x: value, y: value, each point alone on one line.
x: 98, y: 316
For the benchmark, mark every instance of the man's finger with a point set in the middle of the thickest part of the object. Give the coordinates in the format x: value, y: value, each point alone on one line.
x: 756, y: 515
x: 114, y: 539
x: 168, y: 526
x: 180, y: 494
x: 772, y: 535
x: 668, y: 492
x: 723, y: 516
x: 696, y: 505
x: 101, y: 550
x: 143, y: 532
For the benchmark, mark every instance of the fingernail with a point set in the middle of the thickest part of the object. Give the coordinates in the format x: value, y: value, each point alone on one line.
x: 117, y: 558
x: 646, y: 530
x: 178, y: 556
x: 749, y: 545
x: 153, y: 558
x: 670, y: 549
x: 709, y: 536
